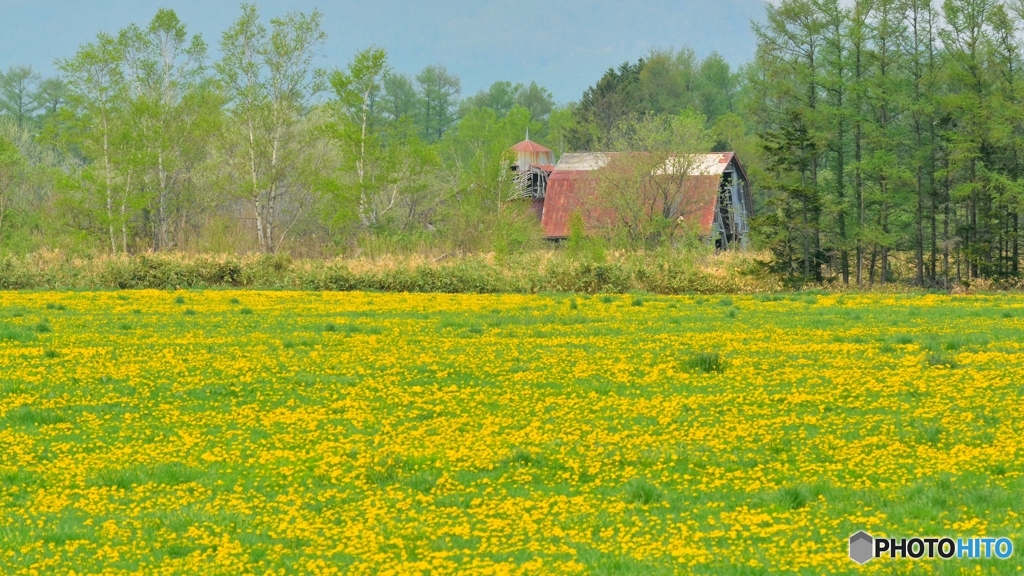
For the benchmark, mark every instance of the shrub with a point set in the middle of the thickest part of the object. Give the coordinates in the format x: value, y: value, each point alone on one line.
x: 640, y: 491
x: 792, y: 498
x: 706, y: 362
x: 941, y: 359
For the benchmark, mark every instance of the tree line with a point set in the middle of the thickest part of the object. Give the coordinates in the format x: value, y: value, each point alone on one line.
x: 143, y: 142
x: 891, y: 133
x: 883, y: 140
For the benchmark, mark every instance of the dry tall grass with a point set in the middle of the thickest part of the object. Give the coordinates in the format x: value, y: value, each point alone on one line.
x: 551, y: 270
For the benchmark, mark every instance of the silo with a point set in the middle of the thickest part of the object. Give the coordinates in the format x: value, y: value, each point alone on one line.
x: 529, y: 153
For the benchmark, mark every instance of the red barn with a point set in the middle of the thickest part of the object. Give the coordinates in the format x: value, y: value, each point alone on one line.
x: 715, y: 190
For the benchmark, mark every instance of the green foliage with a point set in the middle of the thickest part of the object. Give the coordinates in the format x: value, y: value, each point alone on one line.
x: 18, y: 94
x: 891, y: 131
x: 399, y: 99
x: 665, y: 83
x: 12, y: 176
x: 514, y: 230
x: 372, y: 173
x: 439, y: 92
x: 271, y: 83
x: 884, y: 140
x: 161, y: 151
x: 502, y: 96
x: 580, y: 245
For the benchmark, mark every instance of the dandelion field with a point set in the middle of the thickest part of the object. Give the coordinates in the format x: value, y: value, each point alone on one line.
x: 301, y: 432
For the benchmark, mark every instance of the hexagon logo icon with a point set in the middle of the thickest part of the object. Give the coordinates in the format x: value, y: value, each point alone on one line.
x: 862, y: 547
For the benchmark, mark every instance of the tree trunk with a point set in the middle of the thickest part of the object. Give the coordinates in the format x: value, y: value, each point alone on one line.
x: 272, y: 196
x: 255, y: 192
x: 3, y: 212
x: 364, y: 208
x: 1015, y: 262
x: 919, y: 229
x: 844, y: 254
x: 945, y: 230
x: 124, y: 214
x: 871, y: 267
x: 161, y: 214
x: 110, y: 188
x: 934, y: 231
x: 884, y: 223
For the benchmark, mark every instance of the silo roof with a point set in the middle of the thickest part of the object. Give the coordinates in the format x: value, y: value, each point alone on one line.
x: 530, y: 146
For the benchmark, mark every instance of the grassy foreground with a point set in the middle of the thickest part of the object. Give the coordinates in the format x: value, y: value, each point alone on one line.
x: 283, y: 432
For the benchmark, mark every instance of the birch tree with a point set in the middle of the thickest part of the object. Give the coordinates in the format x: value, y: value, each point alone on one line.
x: 96, y: 84
x: 356, y: 91
x: 270, y: 80
x: 165, y: 71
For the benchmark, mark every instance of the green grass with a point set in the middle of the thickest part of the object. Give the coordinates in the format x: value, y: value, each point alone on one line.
x: 15, y: 333
x: 33, y: 416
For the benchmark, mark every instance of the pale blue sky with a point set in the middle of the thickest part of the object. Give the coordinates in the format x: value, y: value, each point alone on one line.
x: 564, y: 45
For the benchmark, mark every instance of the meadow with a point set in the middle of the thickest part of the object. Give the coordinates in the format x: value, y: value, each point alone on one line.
x: 232, y: 432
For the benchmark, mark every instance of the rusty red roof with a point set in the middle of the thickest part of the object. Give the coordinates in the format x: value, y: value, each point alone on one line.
x: 560, y: 201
